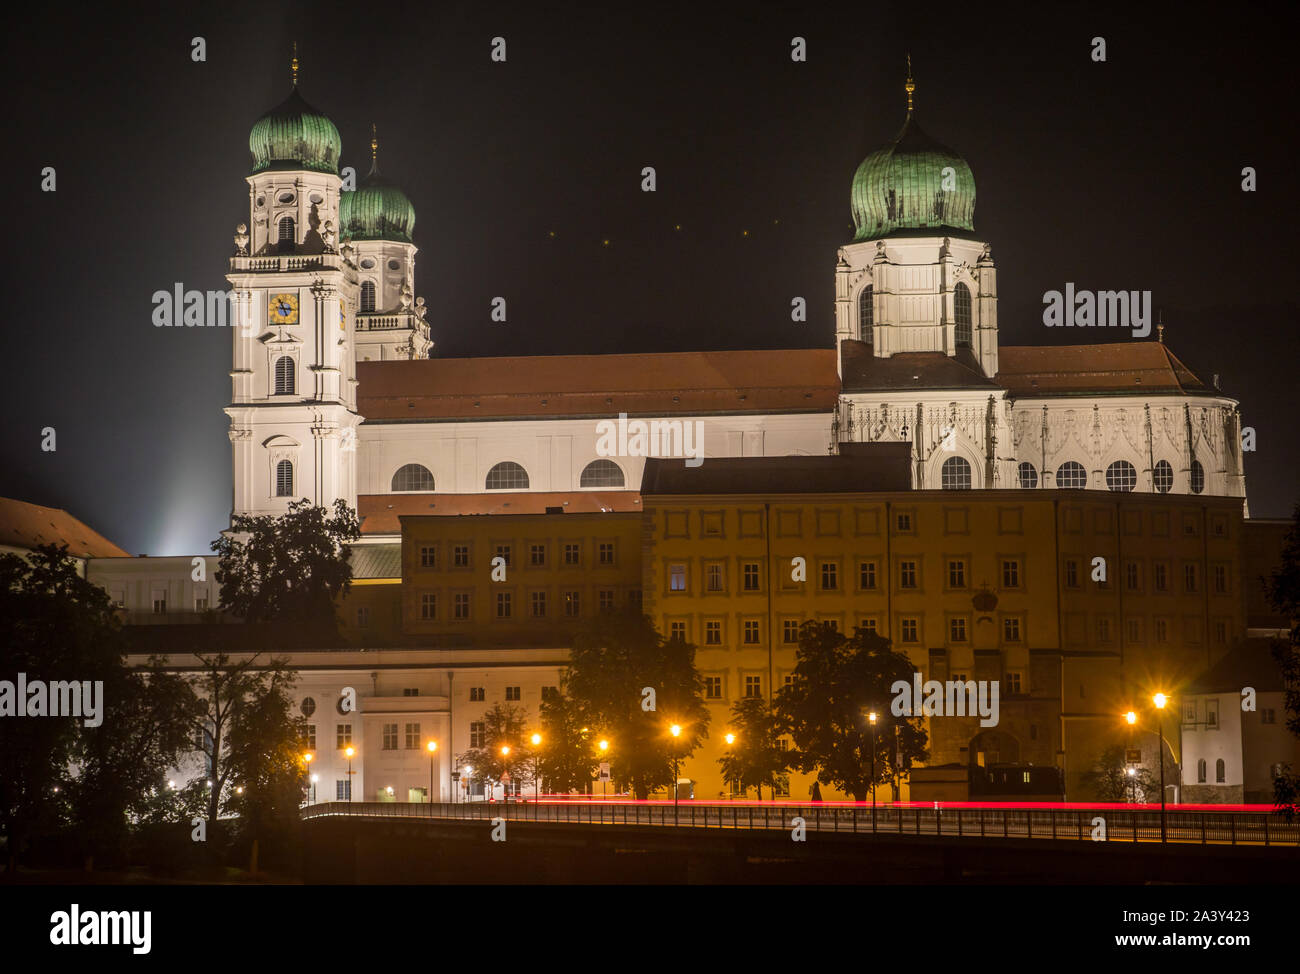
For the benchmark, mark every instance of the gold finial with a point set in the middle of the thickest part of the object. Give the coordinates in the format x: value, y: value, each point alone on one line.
x: 374, y: 145
x: 294, y: 64
x: 1160, y: 328
x: 910, y: 86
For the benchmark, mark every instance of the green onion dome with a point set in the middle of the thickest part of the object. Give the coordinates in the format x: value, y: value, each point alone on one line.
x: 903, y: 186
x: 377, y: 210
x: 293, y: 135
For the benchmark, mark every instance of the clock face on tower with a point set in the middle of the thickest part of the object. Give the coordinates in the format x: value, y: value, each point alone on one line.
x: 282, y: 309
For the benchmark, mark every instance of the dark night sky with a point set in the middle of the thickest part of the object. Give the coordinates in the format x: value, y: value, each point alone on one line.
x: 1117, y: 175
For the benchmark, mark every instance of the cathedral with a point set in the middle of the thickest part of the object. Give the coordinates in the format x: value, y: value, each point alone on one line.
x: 337, y: 391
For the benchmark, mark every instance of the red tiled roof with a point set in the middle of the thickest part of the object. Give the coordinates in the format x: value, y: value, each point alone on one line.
x: 654, y: 384
x: 1115, y: 368
x: 24, y: 525
x: 380, y: 512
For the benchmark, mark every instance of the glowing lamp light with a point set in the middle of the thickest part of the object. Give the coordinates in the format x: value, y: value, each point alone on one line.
x: 389, y: 789
x: 1131, y: 717
x: 872, y: 717
x: 349, y: 752
x: 432, y: 746
x: 315, y: 778
x: 603, y: 745
x: 1132, y: 772
x: 536, y: 739
x: 505, y: 749
x: 1160, y: 700
x: 730, y: 738
x: 675, y: 730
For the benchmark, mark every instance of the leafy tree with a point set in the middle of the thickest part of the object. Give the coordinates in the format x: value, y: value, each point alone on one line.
x: 570, y: 758
x: 289, y: 569
x: 1110, y: 781
x: 504, y: 725
x: 615, y: 657
x: 1283, y: 590
x: 836, y: 680
x: 754, y: 760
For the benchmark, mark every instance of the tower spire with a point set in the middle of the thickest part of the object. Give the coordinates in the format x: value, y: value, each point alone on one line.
x: 910, y: 86
x: 374, y: 147
x: 293, y: 65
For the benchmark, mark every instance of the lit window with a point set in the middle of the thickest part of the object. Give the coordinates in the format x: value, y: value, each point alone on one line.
x: 677, y: 578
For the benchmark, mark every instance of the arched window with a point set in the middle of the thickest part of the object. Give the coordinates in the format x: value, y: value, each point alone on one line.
x: 368, y: 296
x: 413, y: 476
x: 1198, y: 477
x: 1163, y: 476
x: 288, y: 235
x: 961, y: 314
x: 284, y: 376
x: 601, y: 473
x: 955, y: 474
x: 284, y: 479
x: 308, y: 706
x: 1027, y: 475
x: 866, y: 313
x: 1220, y: 770
x: 1121, y: 476
x: 1071, y: 474
x: 1200, y: 771
x: 507, y: 475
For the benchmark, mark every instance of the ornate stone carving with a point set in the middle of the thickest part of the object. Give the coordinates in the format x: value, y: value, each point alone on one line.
x: 241, y: 239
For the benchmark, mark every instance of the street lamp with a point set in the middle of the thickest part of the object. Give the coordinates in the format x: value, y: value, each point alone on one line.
x: 1160, y: 700
x: 308, y: 757
x: 729, y: 739
x: 467, y: 777
x: 676, y: 731
x: 348, y: 752
x: 536, y: 741
x: 431, y: 747
x: 505, y: 777
x: 871, y: 720
x: 603, y: 746
x: 1132, y: 719
x: 314, y: 778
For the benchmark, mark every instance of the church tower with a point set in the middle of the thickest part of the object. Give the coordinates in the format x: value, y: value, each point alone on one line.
x: 378, y: 220
x: 293, y: 412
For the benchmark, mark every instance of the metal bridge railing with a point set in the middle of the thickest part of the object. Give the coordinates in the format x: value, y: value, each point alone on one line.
x: 1237, y: 827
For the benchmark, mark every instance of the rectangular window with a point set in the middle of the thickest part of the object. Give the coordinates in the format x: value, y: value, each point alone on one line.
x: 550, y: 693
x: 790, y: 630
x: 1190, y: 578
x: 1071, y: 573
x: 390, y: 737
x: 477, y: 734
x: 957, y: 630
x: 1103, y: 630
x: 753, y: 686
x: 1161, y: 577
x: 1162, y: 631
x: 159, y: 603
x: 1010, y: 573
x: 1268, y: 716
x: 1212, y: 713
x: 830, y: 576
x: 605, y: 599
x: 342, y: 736
x: 713, y: 687
x: 477, y: 694
x: 1220, y: 579
x: 1011, y: 629
x: 428, y: 605
x: 572, y: 554
x: 503, y: 552
x: 460, y: 605
x: 460, y: 556
x: 606, y: 552
x: 410, y: 691
x: 1189, y: 712
x: 428, y: 556
x: 1220, y: 632
x: 867, y: 575
x: 343, y: 790
x: 1134, y: 631
x: 751, y: 632
x: 907, y: 574
x: 514, y: 694
x: 1013, y: 682
x: 634, y: 598
x: 713, y: 634
x: 503, y: 605
x: 956, y: 574
x: 200, y: 603
x: 537, y: 605
x: 677, y: 578
x: 713, y: 578
x: 537, y: 555
x: 1131, y: 576
x: 309, y: 737
x: 909, y: 630
x: 363, y: 616
x: 677, y: 631
x: 412, y: 737
x: 904, y: 523
x: 572, y: 604
x: 749, y: 573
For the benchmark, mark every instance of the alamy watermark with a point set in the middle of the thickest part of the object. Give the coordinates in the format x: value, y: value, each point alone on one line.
x: 653, y: 438
x: 58, y: 698
x: 1099, y: 309
x: 954, y: 698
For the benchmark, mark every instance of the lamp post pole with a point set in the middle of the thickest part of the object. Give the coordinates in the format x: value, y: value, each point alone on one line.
x: 675, y: 730
x: 1160, y: 701
x: 871, y: 719
x: 432, y: 746
x: 537, y: 775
